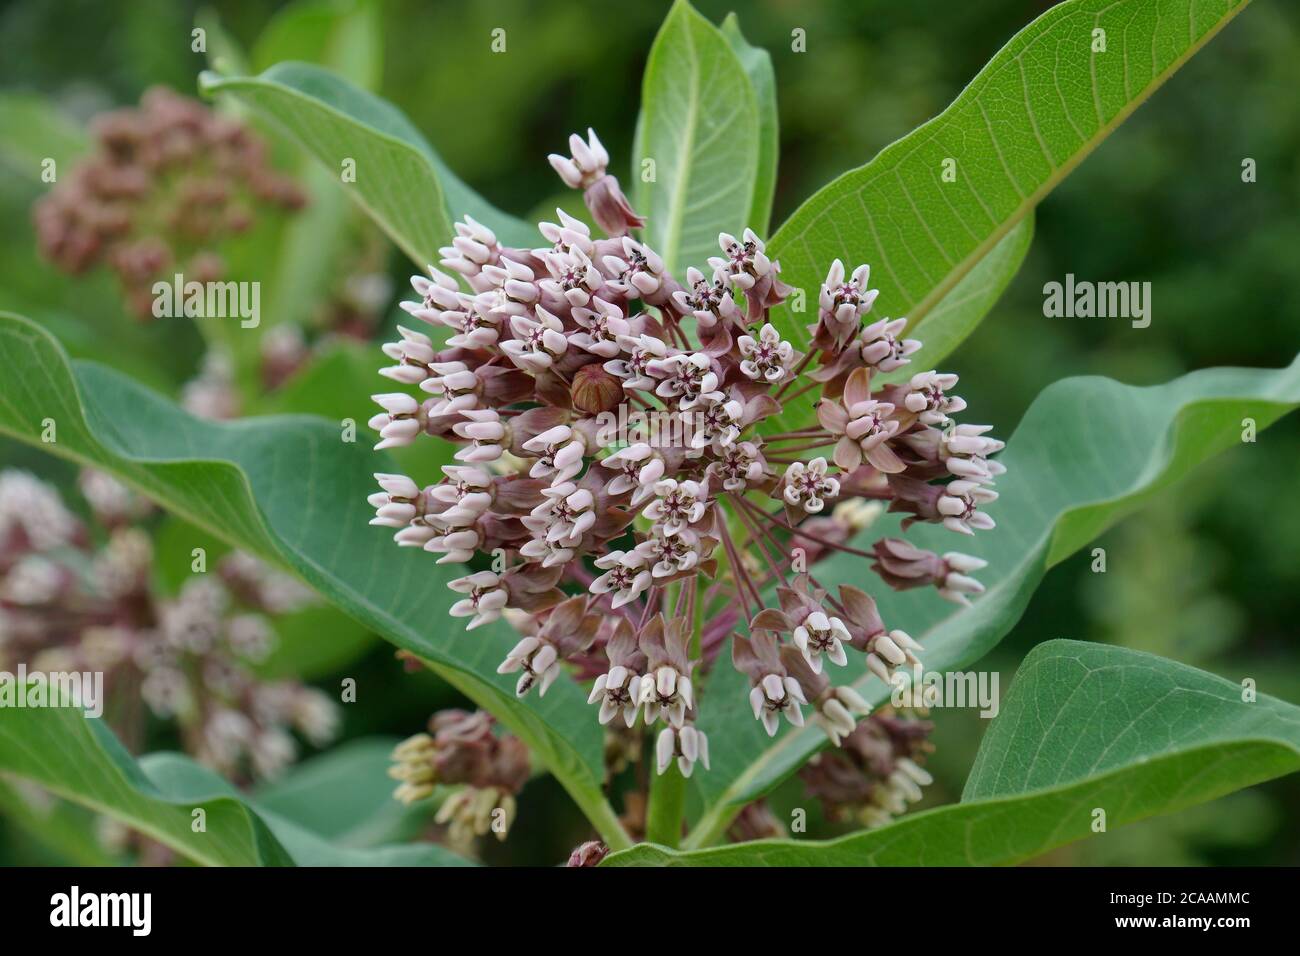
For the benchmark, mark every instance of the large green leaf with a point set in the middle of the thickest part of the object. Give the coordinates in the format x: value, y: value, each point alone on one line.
x: 1085, y: 727
x: 1035, y: 111
x: 700, y: 124
x: 959, y: 312
x: 758, y: 67
x: 400, y: 181
x: 1088, y: 451
x: 78, y: 758
x: 180, y: 779
x: 345, y: 796
x: 289, y: 490
x: 300, y: 263
x: 338, y: 380
x: 65, y: 829
x: 344, y: 35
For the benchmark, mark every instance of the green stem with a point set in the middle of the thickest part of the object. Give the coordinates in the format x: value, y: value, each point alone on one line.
x: 697, y: 625
x: 667, y: 807
x: 666, y: 810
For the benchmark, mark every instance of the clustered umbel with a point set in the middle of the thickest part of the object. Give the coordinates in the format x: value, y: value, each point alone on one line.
x: 167, y: 182
x: 607, y: 418
x: 878, y: 770
x: 483, y: 771
x: 81, y: 597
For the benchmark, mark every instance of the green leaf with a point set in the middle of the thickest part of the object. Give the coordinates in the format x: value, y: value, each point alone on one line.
x: 1085, y: 726
x: 309, y: 850
x: 758, y: 67
x: 1078, y: 710
x: 57, y: 825
x: 961, y: 310
x: 79, y: 758
x: 344, y: 35
x: 699, y: 122
x: 1035, y: 111
x: 1088, y: 452
x: 313, y: 643
x: 345, y: 796
x: 182, y: 780
x: 400, y: 181
x: 337, y: 380
x: 288, y: 490
x: 335, y: 383
x: 302, y: 260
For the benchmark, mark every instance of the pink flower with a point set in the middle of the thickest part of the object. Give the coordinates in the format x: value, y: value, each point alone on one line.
x: 808, y: 485
x: 842, y: 304
x: 686, y: 744
x: 626, y: 576
x: 881, y: 348
x: 864, y: 424
x: 485, y: 597
x: 538, y: 342
x: 959, y: 506
x: 767, y: 357
x: 709, y: 302
x: 927, y: 398
x: 603, y: 328
x: 689, y: 378
x: 678, y: 504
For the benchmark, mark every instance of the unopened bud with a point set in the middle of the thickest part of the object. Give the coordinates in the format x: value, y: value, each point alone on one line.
x: 596, y: 390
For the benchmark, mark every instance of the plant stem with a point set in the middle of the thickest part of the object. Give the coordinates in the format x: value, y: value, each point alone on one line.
x: 667, y: 798
x: 667, y: 806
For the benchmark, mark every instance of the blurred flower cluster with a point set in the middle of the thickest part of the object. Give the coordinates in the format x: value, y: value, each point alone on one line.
x: 483, y: 771
x: 607, y: 413
x: 168, y: 181
x: 78, y: 596
x: 877, y: 771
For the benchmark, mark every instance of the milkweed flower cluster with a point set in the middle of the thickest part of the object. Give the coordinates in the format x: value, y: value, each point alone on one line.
x: 81, y: 597
x: 611, y: 538
x: 878, y: 770
x: 484, y: 770
x: 167, y: 182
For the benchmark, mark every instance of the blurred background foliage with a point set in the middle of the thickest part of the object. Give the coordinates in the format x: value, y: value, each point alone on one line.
x: 1208, y: 574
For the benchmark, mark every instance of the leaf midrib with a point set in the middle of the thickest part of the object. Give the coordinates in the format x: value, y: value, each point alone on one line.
x: 677, y: 200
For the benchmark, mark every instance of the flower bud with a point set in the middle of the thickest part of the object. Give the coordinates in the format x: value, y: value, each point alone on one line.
x: 596, y: 390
